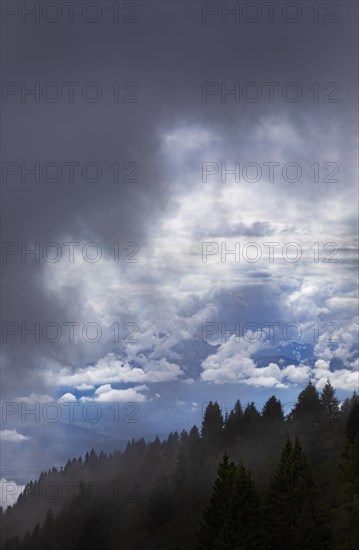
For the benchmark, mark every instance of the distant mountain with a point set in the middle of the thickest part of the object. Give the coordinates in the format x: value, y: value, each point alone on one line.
x: 191, y: 354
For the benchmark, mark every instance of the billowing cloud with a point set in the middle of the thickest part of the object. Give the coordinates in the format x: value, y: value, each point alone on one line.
x: 12, y: 436
x: 111, y: 369
x: 67, y: 397
x: 233, y: 362
x: 343, y: 379
x: 107, y: 394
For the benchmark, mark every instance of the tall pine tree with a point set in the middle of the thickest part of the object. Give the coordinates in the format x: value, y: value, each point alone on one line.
x: 346, y: 514
x: 233, y: 424
x: 212, y: 426
x: 272, y: 410
x: 293, y: 519
x: 330, y: 404
x: 217, y: 513
x: 243, y: 530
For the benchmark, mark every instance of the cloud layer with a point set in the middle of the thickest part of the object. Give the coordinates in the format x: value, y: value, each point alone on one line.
x: 211, y: 170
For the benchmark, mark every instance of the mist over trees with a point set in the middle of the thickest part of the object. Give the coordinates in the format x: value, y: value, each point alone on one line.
x: 250, y: 480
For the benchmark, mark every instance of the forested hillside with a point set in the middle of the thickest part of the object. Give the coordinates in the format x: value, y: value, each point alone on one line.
x: 252, y: 480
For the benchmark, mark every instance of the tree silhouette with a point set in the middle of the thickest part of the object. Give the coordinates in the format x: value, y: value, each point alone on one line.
x: 272, y: 410
x: 329, y: 403
x: 234, y: 423
x: 293, y: 519
x: 244, y: 527
x: 212, y: 425
x: 217, y: 513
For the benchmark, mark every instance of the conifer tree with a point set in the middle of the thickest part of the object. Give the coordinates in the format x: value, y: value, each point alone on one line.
x: 272, y: 410
x: 293, y: 519
x: 330, y: 404
x: 352, y: 427
x: 212, y: 425
x: 217, y: 513
x: 233, y: 423
x: 251, y: 420
x: 243, y: 528
x: 345, y: 515
x: 308, y: 407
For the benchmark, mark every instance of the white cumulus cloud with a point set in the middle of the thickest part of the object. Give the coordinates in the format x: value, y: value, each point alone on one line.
x: 12, y: 436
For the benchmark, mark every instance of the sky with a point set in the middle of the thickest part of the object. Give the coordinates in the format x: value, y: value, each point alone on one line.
x: 185, y: 176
